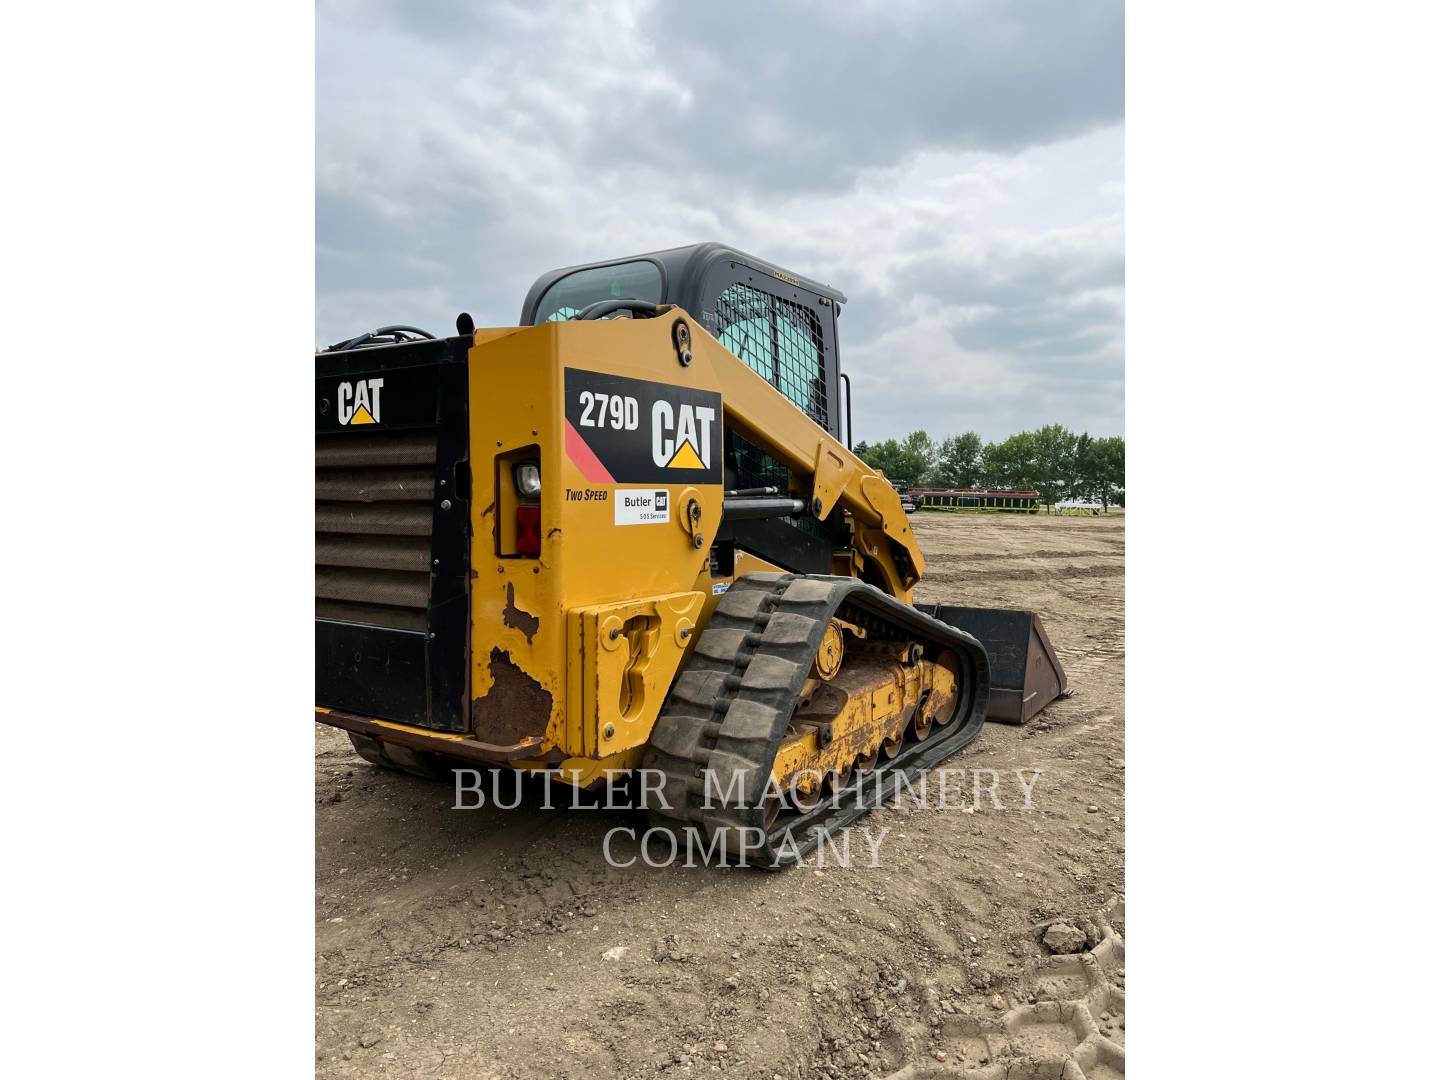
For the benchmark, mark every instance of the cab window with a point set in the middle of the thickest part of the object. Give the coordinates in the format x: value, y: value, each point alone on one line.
x: 575, y: 292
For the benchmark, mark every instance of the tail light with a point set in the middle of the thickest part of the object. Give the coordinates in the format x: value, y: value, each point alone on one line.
x: 517, y: 503
x: 527, y: 530
x: 527, y: 479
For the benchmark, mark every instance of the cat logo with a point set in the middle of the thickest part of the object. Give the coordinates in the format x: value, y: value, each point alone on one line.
x: 360, y: 401
x: 631, y: 431
x: 680, y: 437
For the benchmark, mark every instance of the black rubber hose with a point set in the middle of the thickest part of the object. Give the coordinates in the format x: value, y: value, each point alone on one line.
x: 371, y: 335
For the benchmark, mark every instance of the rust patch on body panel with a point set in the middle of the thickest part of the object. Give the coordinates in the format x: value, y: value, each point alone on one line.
x: 515, y: 709
x: 518, y: 619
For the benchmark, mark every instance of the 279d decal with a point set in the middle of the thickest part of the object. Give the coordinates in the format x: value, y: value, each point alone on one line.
x: 631, y: 431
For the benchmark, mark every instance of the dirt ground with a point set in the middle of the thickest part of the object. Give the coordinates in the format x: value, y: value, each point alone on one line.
x: 489, y: 943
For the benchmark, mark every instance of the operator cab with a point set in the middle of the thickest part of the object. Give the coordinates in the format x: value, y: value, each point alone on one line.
x: 780, y: 324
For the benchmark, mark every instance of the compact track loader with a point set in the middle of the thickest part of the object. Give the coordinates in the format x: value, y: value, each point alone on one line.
x: 628, y: 534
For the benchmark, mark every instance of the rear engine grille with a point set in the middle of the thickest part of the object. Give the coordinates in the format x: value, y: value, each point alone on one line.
x: 373, y: 517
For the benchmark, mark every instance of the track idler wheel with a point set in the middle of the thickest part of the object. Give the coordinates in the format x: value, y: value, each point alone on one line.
x: 943, y: 703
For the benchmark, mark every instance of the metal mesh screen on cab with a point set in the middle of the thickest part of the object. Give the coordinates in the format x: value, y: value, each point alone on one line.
x: 778, y: 338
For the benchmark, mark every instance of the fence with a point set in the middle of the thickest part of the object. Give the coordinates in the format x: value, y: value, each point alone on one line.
x: 978, y: 500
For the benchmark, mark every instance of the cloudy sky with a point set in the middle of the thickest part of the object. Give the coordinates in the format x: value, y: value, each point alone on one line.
x: 956, y: 168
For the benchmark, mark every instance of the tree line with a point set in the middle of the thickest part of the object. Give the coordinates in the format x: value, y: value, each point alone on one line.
x: 1052, y: 460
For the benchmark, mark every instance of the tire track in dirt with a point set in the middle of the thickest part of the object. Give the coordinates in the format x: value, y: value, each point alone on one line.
x: 1071, y: 1023
x: 1070, y: 554
x: 480, y: 904
x: 1063, y: 573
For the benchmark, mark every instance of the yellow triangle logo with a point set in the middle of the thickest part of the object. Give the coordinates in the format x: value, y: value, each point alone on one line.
x: 362, y: 416
x: 686, y: 458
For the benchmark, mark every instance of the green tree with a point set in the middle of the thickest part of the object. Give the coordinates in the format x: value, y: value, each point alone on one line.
x: 903, y: 462
x: 1009, y: 464
x: 1054, y: 462
x: 1051, y: 460
x: 1083, y: 471
x: 957, y: 463
x: 920, y: 451
x: 884, y: 455
x: 1109, y: 454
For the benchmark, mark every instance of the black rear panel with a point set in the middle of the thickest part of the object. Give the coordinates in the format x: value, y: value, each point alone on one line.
x: 392, y: 532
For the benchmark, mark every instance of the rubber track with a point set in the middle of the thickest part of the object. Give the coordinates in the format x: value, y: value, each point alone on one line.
x: 727, y: 713
x: 419, y: 763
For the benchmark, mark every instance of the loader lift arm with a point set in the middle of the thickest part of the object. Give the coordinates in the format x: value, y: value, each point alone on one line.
x: 886, y: 551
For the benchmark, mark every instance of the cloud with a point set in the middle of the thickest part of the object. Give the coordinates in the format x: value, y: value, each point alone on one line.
x: 956, y: 169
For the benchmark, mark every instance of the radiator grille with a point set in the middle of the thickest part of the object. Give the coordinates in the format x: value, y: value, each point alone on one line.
x: 373, y: 516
